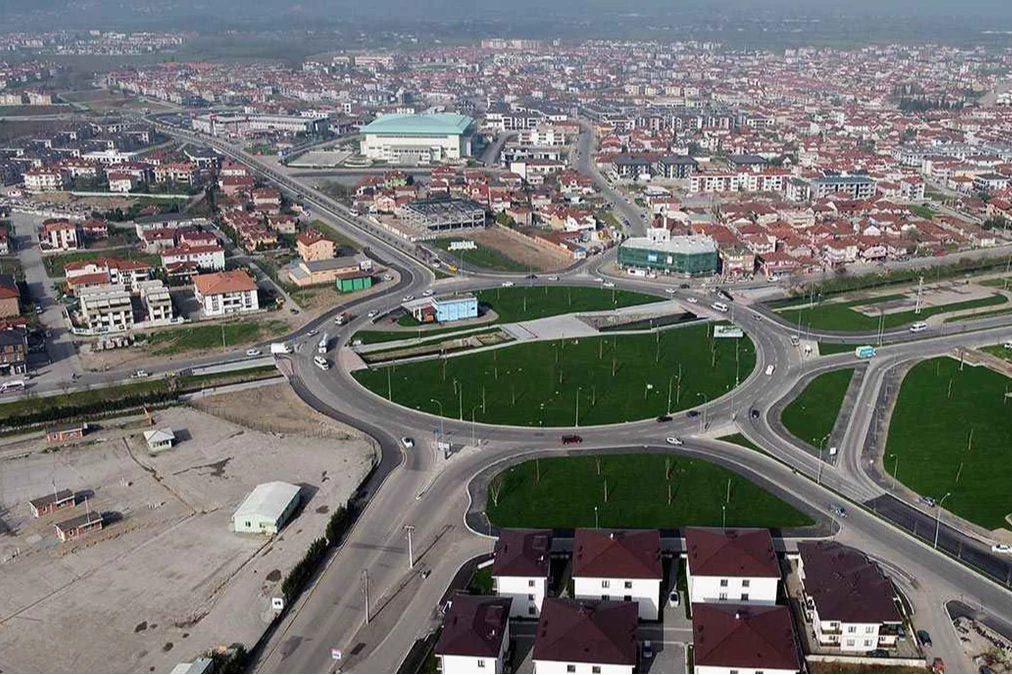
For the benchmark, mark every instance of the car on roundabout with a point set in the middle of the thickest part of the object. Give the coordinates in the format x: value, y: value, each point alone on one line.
x: 252, y: 352
x: 570, y: 439
x: 674, y: 440
x: 507, y: 284
x: 664, y: 418
x: 408, y: 442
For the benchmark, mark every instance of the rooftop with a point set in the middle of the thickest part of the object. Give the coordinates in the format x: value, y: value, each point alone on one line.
x: 268, y: 500
x: 687, y: 245
x: 440, y: 124
x: 845, y: 585
x: 714, y: 552
x: 586, y: 631
x: 522, y: 553
x: 753, y: 638
x: 633, y: 554
x: 474, y: 625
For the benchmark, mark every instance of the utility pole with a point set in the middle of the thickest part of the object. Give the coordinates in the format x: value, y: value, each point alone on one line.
x: 365, y: 589
x: 920, y: 285
x: 597, y: 522
x: 938, y: 517
x: 411, y: 553
x: 576, y: 422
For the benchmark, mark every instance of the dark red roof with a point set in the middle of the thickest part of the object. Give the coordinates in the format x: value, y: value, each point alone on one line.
x: 587, y: 631
x: 715, y: 552
x: 752, y: 637
x: 845, y: 585
x: 474, y: 625
x: 633, y: 554
x: 522, y: 553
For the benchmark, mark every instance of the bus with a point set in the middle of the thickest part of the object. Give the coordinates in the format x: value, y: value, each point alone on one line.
x: 865, y: 352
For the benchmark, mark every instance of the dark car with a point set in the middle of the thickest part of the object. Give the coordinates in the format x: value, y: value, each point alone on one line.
x: 754, y: 413
x: 878, y: 654
x: 664, y: 418
x: 924, y: 638
x: 531, y: 276
x: 692, y: 413
x: 571, y: 438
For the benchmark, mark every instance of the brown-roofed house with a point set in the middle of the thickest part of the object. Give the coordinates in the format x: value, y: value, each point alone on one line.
x: 10, y: 297
x: 731, y: 565
x: 586, y: 636
x: 520, y: 570
x: 475, y: 635
x: 314, y: 245
x: 743, y: 638
x: 619, y: 565
x: 849, y: 601
x: 228, y: 292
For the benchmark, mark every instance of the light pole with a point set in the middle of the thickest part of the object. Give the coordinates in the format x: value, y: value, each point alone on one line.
x: 938, y: 517
x: 440, y: 404
x: 473, y: 441
x: 896, y: 468
x: 597, y: 522
x: 411, y: 553
x: 723, y: 516
x: 668, y: 409
x: 365, y: 580
x: 702, y: 418
x: 576, y: 422
x: 822, y: 445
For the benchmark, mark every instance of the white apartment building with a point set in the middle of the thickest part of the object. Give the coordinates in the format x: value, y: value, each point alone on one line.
x: 731, y: 566
x: 106, y: 309
x: 543, y: 136
x: 475, y: 636
x: 621, y: 566
x: 60, y: 235
x: 586, y: 636
x: 521, y: 568
x: 206, y: 257
x: 44, y: 180
x: 222, y: 293
x: 156, y: 300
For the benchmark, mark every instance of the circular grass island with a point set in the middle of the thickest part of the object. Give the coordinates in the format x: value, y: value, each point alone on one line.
x: 581, y: 381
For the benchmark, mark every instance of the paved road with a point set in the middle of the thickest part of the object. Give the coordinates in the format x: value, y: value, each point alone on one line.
x: 582, y: 159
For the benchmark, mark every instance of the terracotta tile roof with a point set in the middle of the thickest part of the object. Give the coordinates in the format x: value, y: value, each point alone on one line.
x: 232, y: 281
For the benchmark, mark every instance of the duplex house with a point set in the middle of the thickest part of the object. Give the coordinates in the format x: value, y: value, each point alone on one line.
x: 617, y: 565
x: 849, y: 601
x: 585, y: 636
x: 221, y: 293
x: 743, y: 639
x: 731, y: 565
x: 520, y: 570
x: 475, y: 636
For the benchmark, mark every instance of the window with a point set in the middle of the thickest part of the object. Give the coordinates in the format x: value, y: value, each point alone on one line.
x: 530, y: 583
x: 850, y: 643
x: 744, y: 583
x: 628, y: 584
x: 851, y: 629
x: 605, y: 583
x: 744, y: 597
x: 869, y: 629
x: 595, y: 669
x: 627, y: 598
x: 606, y: 597
x: 867, y: 643
x: 722, y: 597
x: 481, y: 663
x: 570, y: 668
x: 531, y: 610
x: 530, y: 596
x: 723, y: 583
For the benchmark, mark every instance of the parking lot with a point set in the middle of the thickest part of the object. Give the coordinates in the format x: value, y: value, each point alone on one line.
x: 183, y: 581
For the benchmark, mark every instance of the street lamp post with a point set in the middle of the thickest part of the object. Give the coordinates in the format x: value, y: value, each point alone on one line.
x: 440, y: 404
x: 475, y: 408
x: 411, y: 553
x: 896, y: 468
x: 597, y: 522
x: 702, y: 418
x: 938, y: 517
x: 576, y: 422
x: 822, y: 446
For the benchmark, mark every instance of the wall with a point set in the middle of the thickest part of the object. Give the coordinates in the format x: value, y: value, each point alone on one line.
x: 519, y: 589
x: 645, y: 592
x: 707, y: 589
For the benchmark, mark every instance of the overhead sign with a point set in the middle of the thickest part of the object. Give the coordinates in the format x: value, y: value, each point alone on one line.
x: 462, y: 245
x: 732, y: 332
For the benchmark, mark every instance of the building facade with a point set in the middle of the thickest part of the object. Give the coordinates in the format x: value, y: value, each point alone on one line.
x: 221, y: 293
x: 690, y: 255
x: 418, y: 139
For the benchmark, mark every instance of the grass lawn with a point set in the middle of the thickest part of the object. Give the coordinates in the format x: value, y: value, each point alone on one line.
x: 333, y: 234
x: 826, y: 348
x: 12, y: 265
x: 570, y: 488
x: 979, y: 315
x: 951, y: 431
x: 616, y: 379
x: 1000, y: 282
x: 999, y: 351
x: 922, y: 211
x: 374, y: 336
x: 481, y: 582
x: 483, y: 257
x: 739, y: 439
x: 55, y: 263
x: 211, y: 336
x: 840, y: 316
x: 811, y: 415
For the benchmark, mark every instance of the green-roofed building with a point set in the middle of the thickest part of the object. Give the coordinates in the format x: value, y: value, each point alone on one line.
x: 418, y: 139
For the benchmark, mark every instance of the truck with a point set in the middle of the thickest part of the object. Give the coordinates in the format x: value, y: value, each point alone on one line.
x: 865, y: 352
x: 321, y: 348
x: 341, y: 318
x: 278, y: 348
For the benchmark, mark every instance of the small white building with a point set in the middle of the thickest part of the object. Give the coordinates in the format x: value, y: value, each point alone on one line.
x: 221, y: 293
x: 106, y: 308
x: 475, y: 636
x: 729, y: 639
x: 616, y: 565
x: 156, y: 300
x: 586, y: 636
x: 159, y: 440
x: 520, y: 570
x: 267, y: 508
x: 731, y: 565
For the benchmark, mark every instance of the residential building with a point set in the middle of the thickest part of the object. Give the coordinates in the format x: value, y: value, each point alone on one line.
x: 746, y: 640
x: 13, y: 351
x: 101, y: 271
x: 106, y: 308
x: 675, y: 166
x: 156, y: 300
x: 731, y: 565
x: 205, y: 257
x: 475, y: 637
x: 619, y: 565
x: 418, y: 139
x: 60, y: 235
x: 850, y: 603
x: 586, y: 636
x: 10, y: 297
x: 44, y: 180
x: 221, y: 293
x: 54, y: 501
x: 314, y: 245
x: 79, y: 526
x: 521, y: 568
x: 856, y: 187
x: 267, y: 508
x: 693, y: 255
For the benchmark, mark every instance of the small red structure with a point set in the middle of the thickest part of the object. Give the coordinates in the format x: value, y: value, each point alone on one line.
x: 62, y: 499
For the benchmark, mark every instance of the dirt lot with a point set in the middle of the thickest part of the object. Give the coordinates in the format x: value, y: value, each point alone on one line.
x: 94, y: 203
x: 166, y: 579
x: 536, y: 257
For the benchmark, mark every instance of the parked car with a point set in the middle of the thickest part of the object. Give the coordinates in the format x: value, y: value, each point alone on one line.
x: 878, y: 654
x: 692, y: 413
x: 674, y: 440
x: 506, y: 284
x: 648, y: 650
x: 569, y: 439
x: 252, y: 352
x: 924, y: 638
x: 372, y: 314
x: 674, y: 599
x: 553, y: 278
x: 1001, y: 548
x: 407, y: 298
x: 691, y: 300
x: 427, y: 292
x: 927, y: 501
x: 408, y: 442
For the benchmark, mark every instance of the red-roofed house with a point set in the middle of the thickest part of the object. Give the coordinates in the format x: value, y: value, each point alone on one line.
x: 586, y: 636
x: 476, y: 635
x: 224, y: 293
x: 521, y: 567
x: 735, y: 566
x: 733, y: 638
x: 614, y: 565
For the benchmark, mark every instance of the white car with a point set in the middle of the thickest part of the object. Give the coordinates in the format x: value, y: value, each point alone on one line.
x: 691, y: 300
x: 599, y: 280
x: 427, y: 292
x: 312, y: 333
x: 321, y: 363
x: 670, y: 291
x: 372, y: 314
x: 1001, y: 548
x: 408, y: 442
x: 674, y: 599
x: 139, y: 374
x: 608, y: 284
x: 388, y: 277
x: 506, y: 284
x: 553, y: 278
x: 252, y: 352
x: 407, y: 298
x: 674, y: 440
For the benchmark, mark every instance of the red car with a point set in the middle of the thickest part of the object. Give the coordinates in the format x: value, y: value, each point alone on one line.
x: 572, y: 438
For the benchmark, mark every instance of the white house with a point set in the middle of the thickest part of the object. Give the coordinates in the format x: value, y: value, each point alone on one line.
x: 60, y: 235
x: 267, y: 508
x: 735, y: 566
x: 586, y: 636
x: 204, y: 256
x: 730, y: 639
x: 106, y: 308
x: 221, y: 293
x: 613, y: 565
x: 475, y: 636
x: 846, y: 597
x: 520, y: 569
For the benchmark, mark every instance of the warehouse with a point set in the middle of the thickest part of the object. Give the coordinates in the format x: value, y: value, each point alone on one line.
x: 418, y: 139
x: 693, y: 255
x: 267, y: 508
x: 436, y: 215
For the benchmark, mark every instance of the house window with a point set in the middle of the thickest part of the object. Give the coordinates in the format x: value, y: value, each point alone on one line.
x: 867, y: 643
x: 530, y: 583
x: 481, y: 663
x: 570, y: 668
x: 627, y: 598
x: 744, y: 583
x: 744, y: 597
x: 595, y: 669
x: 869, y: 629
x: 723, y: 583
x: 605, y: 583
x: 628, y: 584
x: 530, y: 596
x: 606, y: 597
x: 531, y: 610
x: 850, y: 643
x: 722, y: 597
x: 851, y: 629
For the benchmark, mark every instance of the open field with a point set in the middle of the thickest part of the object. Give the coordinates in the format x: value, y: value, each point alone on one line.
x: 570, y: 488
x: 213, y: 336
x: 611, y: 379
x: 166, y: 579
x: 56, y: 262
x: 812, y: 415
x: 951, y: 432
x: 498, y: 251
x: 484, y: 257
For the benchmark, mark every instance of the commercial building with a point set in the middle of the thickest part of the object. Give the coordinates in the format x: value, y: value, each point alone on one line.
x: 266, y: 509
x: 476, y: 635
x: 856, y: 187
x: 743, y: 639
x: 586, y: 636
x: 520, y: 569
x: 349, y: 273
x: 244, y: 125
x: 443, y: 308
x: 693, y: 255
x: 731, y: 565
x: 222, y: 293
x: 106, y: 308
x: 438, y: 215
x: 850, y: 603
x: 418, y: 139
x: 619, y: 565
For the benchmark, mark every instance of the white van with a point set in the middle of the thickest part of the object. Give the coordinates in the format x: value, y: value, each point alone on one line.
x: 12, y: 386
x: 321, y: 363
x: 720, y: 306
x: 918, y: 327
x: 770, y: 368
x: 634, y: 272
